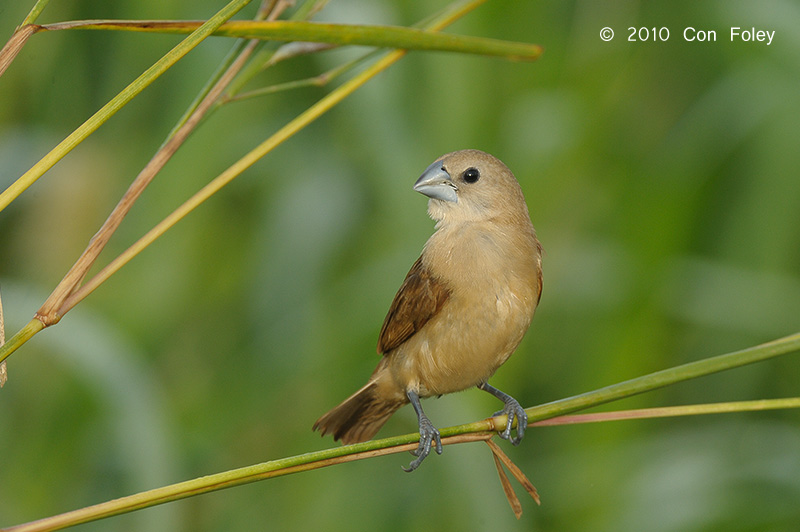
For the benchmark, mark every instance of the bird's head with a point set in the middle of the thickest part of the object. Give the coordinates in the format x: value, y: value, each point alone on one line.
x: 471, y: 186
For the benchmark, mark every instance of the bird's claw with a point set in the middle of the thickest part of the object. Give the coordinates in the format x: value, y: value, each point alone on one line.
x: 427, y: 435
x: 513, y: 410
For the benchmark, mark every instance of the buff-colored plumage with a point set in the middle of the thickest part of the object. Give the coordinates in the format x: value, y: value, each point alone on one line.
x: 464, y: 305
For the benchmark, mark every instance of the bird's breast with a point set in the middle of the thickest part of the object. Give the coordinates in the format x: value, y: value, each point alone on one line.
x: 494, y: 291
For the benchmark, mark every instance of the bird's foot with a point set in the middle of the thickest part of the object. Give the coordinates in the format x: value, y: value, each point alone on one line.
x: 513, y: 410
x: 428, y: 434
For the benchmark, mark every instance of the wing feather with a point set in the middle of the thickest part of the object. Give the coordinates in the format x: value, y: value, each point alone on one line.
x: 420, y: 297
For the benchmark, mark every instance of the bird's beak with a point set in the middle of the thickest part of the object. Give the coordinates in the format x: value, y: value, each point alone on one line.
x: 436, y: 183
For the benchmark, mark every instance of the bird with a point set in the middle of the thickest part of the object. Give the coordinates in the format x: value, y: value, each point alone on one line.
x: 463, y: 308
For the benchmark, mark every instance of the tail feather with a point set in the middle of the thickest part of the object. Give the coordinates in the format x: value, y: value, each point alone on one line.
x: 359, y: 417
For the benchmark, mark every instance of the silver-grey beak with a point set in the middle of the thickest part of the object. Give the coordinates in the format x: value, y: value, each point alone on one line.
x: 436, y: 183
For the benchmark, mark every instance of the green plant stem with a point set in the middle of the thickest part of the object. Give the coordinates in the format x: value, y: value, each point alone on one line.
x: 673, y: 411
x: 22, y: 336
x: 477, y: 431
x: 343, y: 454
x: 381, y: 36
x: 34, y: 13
x: 305, y: 11
x: 242, y: 46
x: 667, y: 377
x: 319, y: 80
x: 120, y: 100
x: 646, y: 383
x: 226, y: 63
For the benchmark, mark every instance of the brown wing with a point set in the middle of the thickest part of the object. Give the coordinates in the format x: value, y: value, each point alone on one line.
x: 418, y: 300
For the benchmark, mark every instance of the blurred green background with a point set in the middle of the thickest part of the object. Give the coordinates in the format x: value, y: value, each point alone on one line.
x: 662, y: 178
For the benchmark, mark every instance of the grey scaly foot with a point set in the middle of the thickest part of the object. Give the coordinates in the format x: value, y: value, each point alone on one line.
x: 427, y: 434
x: 512, y: 409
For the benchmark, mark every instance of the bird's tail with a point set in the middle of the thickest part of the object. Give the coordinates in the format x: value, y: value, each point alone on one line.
x: 359, y: 417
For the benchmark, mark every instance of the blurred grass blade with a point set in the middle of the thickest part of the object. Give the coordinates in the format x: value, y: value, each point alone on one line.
x: 339, y: 34
x: 120, y: 100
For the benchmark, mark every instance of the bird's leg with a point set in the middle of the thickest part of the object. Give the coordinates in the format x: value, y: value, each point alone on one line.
x: 512, y: 409
x: 427, y: 434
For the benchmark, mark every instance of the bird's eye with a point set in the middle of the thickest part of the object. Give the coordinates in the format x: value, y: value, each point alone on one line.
x: 471, y: 175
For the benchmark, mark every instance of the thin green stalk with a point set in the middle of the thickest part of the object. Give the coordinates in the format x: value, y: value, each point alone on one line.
x: 666, y: 377
x: 264, y: 57
x: 305, y: 11
x: 235, y: 52
x: 477, y: 431
x: 22, y: 336
x: 120, y: 100
x: 227, y: 61
x: 249, y: 70
x: 34, y: 13
x: 380, y: 36
x: 646, y: 383
x: 315, y: 81
x: 673, y: 411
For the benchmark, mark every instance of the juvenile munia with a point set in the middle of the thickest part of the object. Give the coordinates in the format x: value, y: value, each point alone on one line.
x: 463, y: 308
